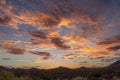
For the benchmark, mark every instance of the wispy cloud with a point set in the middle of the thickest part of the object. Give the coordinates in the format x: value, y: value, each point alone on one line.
x: 78, y: 27
x: 58, y: 42
x: 39, y: 34
x: 41, y: 53
x: 111, y: 40
x: 16, y: 51
x: 6, y: 58
x: 114, y: 48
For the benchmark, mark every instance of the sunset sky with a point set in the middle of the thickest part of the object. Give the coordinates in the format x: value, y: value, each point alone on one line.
x: 51, y: 33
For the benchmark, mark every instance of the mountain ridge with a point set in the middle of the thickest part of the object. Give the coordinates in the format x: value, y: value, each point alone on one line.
x: 114, y: 64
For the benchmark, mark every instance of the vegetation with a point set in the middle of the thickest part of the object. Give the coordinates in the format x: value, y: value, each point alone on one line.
x: 9, y: 75
x: 6, y: 75
x: 61, y: 73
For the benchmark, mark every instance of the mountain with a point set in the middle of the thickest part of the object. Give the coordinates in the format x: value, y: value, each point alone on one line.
x: 115, y: 64
x: 60, y: 68
x: 63, y: 72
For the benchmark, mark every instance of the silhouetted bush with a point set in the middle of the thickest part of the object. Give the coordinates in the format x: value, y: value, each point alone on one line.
x: 6, y: 75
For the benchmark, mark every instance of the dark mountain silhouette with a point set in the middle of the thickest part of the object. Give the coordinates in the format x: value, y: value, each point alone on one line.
x: 115, y: 64
x: 61, y: 68
x: 63, y: 72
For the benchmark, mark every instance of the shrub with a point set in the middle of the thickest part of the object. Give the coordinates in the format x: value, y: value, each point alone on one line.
x: 79, y: 78
x: 6, y: 75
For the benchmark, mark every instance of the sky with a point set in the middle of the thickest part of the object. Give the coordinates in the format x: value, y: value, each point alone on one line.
x: 47, y: 34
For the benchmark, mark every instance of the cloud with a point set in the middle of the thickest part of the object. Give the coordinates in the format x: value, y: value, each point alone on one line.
x: 91, y: 54
x: 74, y: 26
x: 8, y: 43
x: 111, y: 59
x: 90, y: 31
x: 84, y: 62
x: 48, y: 39
x: 45, y: 58
x: 3, y: 2
x: 45, y: 55
x: 12, y: 46
x: 41, y: 53
x: 2, y: 33
x: 8, y: 18
x: 41, y: 43
x: 39, y: 34
x: 38, y: 19
x: 49, y: 23
x: 100, y: 57
x: 5, y: 20
x: 54, y: 34
x: 59, y: 43
x: 71, y: 56
x: 114, y: 48
x: 15, y: 50
x: 45, y: 20
x: 89, y: 49
x: 99, y: 53
x: 111, y: 40
x: 6, y: 58
x: 56, y: 16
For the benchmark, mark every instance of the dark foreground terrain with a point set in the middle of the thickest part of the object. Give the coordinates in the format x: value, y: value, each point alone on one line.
x: 111, y: 72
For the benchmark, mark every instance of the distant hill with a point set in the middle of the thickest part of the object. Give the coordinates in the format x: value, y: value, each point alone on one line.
x: 63, y: 72
x: 61, y: 68
x: 115, y: 64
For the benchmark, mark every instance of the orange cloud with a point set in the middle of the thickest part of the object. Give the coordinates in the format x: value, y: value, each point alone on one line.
x: 39, y: 19
x: 9, y: 18
x: 64, y: 22
x: 89, y: 49
x: 70, y: 56
x: 99, y: 53
x: 9, y: 42
x: 8, y: 21
x: 53, y: 34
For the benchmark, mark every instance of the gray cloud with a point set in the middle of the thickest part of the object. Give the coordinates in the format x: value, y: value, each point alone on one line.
x: 41, y: 54
x: 4, y: 20
x: 6, y: 58
x: 114, y: 39
x: 15, y: 50
x: 114, y: 48
x: 58, y: 42
x: 39, y: 34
